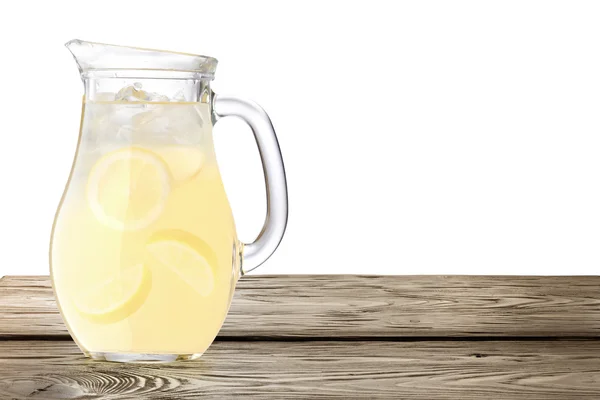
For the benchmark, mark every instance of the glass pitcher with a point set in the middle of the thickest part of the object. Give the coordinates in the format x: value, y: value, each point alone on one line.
x: 144, y: 256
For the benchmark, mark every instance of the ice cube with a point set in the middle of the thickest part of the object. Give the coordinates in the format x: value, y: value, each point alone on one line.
x: 169, y: 123
x: 131, y: 93
x: 185, y: 123
x: 151, y: 121
x: 135, y: 93
x: 109, y: 122
x: 126, y: 133
x: 103, y: 96
x: 157, y: 98
x: 178, y: 97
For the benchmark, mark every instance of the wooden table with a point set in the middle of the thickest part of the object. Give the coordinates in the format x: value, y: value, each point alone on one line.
x: 400, y: 337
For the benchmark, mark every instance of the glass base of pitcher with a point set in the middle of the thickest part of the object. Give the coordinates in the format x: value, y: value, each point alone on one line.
x: 141, y: 357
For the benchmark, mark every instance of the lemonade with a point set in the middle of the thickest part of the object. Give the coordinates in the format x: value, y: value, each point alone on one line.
x: 144, y: 254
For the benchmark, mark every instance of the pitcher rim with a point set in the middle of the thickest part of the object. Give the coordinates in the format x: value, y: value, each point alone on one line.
x: 111, y: 60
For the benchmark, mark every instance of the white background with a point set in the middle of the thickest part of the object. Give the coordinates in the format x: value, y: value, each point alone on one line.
x: 419, y: 137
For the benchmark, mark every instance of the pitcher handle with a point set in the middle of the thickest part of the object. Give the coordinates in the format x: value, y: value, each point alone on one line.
x: 268, y: 239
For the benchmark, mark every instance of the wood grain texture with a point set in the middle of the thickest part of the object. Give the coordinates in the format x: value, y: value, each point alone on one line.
x: 323, y: 369
x: 342, y: 306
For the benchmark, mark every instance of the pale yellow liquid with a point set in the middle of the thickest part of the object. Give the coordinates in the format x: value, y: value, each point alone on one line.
x: 171, y: 316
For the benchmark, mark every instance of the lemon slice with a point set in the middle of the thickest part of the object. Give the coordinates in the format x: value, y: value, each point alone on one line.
x: 188, y: 257
x: 117, y: 298
x: 127, y: 188
x: 184, y: 162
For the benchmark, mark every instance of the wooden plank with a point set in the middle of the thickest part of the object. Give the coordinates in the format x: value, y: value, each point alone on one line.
x: 544, y: 370
x: 338, y: 306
